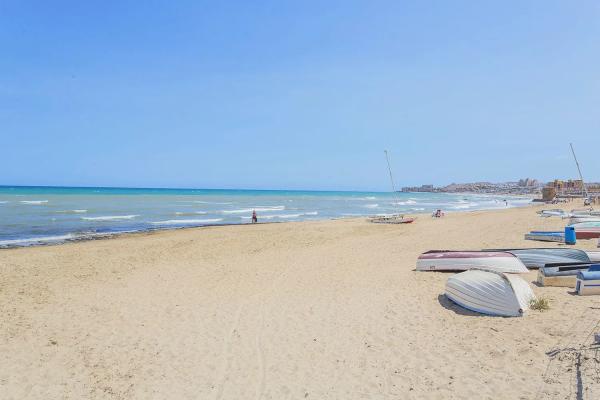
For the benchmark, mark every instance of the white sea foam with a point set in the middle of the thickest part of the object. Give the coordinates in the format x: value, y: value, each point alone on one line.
x: 371, y: 205
x: 188, y: 221
x: 72, y: 212
x: 210, y: 202
x: 464, y: 206
x: 45, y: 239
x: 284, y: 216
x: 406, y: 203
x: 257, y: 209
x: 190, y: 212
x: 3, y: 202
x: 110, y: 217
x: 362, y: 198
x: 58, y: 238
x: 34, y: 202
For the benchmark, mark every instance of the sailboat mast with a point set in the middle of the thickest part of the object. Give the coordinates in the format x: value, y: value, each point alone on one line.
x: 584, y: 191
x: 387, y: 158
x: 390, y: 170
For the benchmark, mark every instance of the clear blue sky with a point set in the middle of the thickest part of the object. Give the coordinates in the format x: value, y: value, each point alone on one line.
x: 299, y: 95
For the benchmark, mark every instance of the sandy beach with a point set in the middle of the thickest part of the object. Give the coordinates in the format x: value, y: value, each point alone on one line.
x: 316, y: 310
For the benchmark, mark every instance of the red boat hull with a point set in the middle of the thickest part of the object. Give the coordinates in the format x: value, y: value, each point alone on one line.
x: 587, y: 233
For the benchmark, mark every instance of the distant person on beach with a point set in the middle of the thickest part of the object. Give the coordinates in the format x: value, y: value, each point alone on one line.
x: 254, y: 218
x: 438, y: 214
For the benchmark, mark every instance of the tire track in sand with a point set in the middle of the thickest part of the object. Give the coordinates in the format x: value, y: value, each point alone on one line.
x: 260, y: 354
x: 226, y: 353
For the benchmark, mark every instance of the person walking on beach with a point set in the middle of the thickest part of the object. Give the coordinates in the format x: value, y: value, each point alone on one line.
x: 254, y: 219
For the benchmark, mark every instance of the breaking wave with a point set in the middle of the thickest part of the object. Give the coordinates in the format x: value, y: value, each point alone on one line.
x: 110, y: 217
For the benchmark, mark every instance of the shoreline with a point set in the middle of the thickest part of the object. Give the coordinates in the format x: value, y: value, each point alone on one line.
x: 92, y: 236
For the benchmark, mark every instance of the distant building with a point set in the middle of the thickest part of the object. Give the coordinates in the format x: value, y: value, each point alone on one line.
x: 528, y: 182
x: 422, y: 188
x: 569, y: 188
x: 548, y: 193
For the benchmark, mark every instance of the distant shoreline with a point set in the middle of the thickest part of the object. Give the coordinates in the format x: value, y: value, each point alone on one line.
x: 32, y: 242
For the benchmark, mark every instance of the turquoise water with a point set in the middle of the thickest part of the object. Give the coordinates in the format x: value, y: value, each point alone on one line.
x: 40, y: 215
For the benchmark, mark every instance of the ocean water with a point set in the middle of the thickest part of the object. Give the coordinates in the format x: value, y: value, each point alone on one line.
x: 43, y: 215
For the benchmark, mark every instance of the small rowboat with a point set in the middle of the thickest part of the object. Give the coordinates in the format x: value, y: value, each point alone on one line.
x: 590, y: 224
x: 490, y: 293
x: 576, y: 219
x: 539, y: 257
x: 563, y: 275
x: 392, y: 219
x: 588, y: 282
x: 542, y: 236
x: 587, y: 233
x: 444, y: 260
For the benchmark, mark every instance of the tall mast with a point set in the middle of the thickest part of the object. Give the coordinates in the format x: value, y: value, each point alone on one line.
x: 387, y: 158
x: 390, y: 170
x: 584, y: 192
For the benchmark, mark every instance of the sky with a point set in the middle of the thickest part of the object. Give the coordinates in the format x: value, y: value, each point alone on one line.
x: 297, y: 94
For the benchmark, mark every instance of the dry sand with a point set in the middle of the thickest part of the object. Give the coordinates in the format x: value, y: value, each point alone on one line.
x: 317, y: 310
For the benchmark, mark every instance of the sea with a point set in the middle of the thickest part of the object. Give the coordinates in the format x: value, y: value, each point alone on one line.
x: 50, y: 215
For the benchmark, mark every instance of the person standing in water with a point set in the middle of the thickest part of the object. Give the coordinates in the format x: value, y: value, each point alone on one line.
x: 254, y: 219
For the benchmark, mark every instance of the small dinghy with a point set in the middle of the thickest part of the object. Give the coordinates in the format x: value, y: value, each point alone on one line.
x: 592, y: 224
x: 587, y: 233
x: 556, y: 212
x: 490, y: 293
x: 539, y: 257
x: 576, y: 219
x: 391, y: 219
x: 593, y: 255
x: 562, y: 275
x: 444, y: 260
x: 588, y: 282
x: 543, y: 236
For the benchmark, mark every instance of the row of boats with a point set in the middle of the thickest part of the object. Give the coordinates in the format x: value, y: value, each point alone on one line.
x: 584, y: 223
x: 490, y: 283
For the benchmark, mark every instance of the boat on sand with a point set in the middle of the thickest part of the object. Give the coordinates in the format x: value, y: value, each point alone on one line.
x: 392, y: 219
x: 563, y: 275
x: 544, y: 236
x: 445, y: 260
x: 490, y: 293
x: 539, y: 257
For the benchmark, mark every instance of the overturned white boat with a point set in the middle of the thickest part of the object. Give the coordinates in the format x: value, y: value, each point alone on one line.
x: 593, y: 255
x: 555, y: 212
x: 443, y: 260
x: 539, y: 257
x: 577, y: 219
x: 490, y: 293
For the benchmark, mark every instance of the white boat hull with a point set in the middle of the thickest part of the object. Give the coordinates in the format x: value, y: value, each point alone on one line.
x: 464, y: 261
x: 537, y: 258
x: 594, y: 255
x: 580, y: 219
x: 490, y: 293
